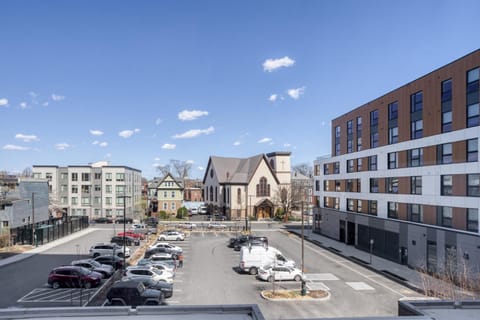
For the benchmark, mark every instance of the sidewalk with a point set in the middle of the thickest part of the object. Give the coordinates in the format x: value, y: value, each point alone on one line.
x: 396, y: 272
x: 45, y: 247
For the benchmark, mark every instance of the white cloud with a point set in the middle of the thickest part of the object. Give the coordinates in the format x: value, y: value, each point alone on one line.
x: 3, y: 102
x: 189, y: 162
x: 45, y: 104
x: 274, y: 64
x: 56, y: 97
x: 169, y: 146
x: 156, y: 159
x: 194, y: 133
x: 287, y: 145
x: 296, y: 93
x: 26, y: 137
x: 264, y: 140
x: 237, y: 143
x: 200, y: 168
x: 273, y: 97
x: 23, y: 105
x: 158, y: 121
x: 128, y: 133
x: 14, y: 147
x: 103, y: 144
x: 62, y: 146
x: 96, y: 132
x: 188, y: 115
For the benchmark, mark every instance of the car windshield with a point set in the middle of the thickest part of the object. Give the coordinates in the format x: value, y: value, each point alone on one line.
x: 158, y: 272
x: 95, y: 263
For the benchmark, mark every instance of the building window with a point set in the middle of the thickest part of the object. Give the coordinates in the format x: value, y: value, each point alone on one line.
x: 337, y: 140
x: 359, y: 206
x: 120, y: 190
x: 263, y: 189
x: 108, y: 188
x: 359, y: 133
x: 373, y: 185
x: 85, y: 201
x: 336, y: 167
x: 74, y: 189
x: 85, y: 188
x: 337, y: 185
x: 165, y: 206
x: 372, y: 163
x: 97, y: 200
x: 173, y: 206
x: 64, y: 188
x: 374, y: 118
x: 350, y: 166
x: 74, y: 201
x: 97, y: 176
x: 374, y: 140
x: 393, y: 111
x: 63, y: 176
x: 317, y: 170
x: 349, y: 146
x: 325, y: 169
x: 239, y: 196
x: 349, y: 185
x: 359, y: 185
x: 416, y: 129
x: 393, y: 135
x: 416, y: 185
x: 444, y: 152
x: 211, y: 193
x: 473, y: 97
x: 447, y: 121
x: 372, y: 207
x: 393, y: 210
x: 446, y: 217
x: 74, y: 176
x: 415, y: 212
x: 472, y: 219
x: 472, y: 150
x: 359, y: 164
x: 473, y: 187
x: 173, y: 194
x: 336, y: 203
x: 392, y: 185
x: 349, y: 127
x: 120, y: 201
x: 120, y: 177
x: 108, y: 177
x: 447, y: 105
x: 415, y: 157
x: 325, y: 185
x: 416, y: 102
x: 374, y: 129
x: 85, y: 176
x: 350, y: 205
x: 446, y: 185
x: 97, y: 188
x: 392, y: 160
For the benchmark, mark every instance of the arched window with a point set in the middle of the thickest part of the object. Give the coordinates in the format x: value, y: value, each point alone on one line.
x: 211, y: 193
x: 216, y: 194
x: 263, y: 189
x: 239, y: 196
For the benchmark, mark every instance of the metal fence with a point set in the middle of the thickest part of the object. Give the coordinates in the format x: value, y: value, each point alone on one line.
x: 47, y: 231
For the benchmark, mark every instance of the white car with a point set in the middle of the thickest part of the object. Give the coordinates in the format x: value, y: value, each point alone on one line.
x: 173, y: 248
x: 171, y: 236
x: 150, y: 271
x: 216, y: 225
x: 279, y: 273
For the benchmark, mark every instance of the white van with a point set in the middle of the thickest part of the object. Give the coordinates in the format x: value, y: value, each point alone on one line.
x: 254, y: 257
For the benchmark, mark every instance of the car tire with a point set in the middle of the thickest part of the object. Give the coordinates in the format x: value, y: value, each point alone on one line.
x: 87, y: 285
x: 253, y: 271
x: 270, y: 279
x: 56, y: 285
x: 297, y: 277
x: 178, y: 239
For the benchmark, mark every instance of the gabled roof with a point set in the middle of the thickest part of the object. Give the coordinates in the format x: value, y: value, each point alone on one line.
x: 236, y: 170
x: 178, y: 183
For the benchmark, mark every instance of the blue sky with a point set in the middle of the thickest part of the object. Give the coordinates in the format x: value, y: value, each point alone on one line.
x: 138, y: 83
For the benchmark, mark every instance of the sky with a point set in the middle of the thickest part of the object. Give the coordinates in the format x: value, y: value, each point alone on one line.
x: 140, y: 83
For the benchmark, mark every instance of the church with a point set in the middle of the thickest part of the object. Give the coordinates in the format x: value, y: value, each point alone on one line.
x: 246, y: 187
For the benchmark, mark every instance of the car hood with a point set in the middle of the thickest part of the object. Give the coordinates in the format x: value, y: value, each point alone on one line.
x: 151, y: 293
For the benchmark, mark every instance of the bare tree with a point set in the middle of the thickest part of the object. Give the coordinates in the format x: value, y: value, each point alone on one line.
x: 303, y: 168
x: 287, y: 198
x: 27, y: 172
x: 164, y: 170
x: 182, y: 168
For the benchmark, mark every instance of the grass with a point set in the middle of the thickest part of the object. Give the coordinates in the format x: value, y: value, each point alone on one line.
x: 294, y: 294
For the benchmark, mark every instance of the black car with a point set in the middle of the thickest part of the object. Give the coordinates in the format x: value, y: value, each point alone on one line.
x: 133, y: 293
x: 250, y: 241
x: 114, y: 261
x: 129, y: 241
x: 148, y: 282
x: 122, y: 220
x: 103, y: 220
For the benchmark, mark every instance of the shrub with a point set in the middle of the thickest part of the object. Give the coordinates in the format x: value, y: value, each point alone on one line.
x: 182, y: 213
x: 163, y: 215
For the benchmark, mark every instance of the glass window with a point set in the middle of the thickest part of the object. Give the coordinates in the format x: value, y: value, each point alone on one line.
x: 393, y: 210
x: 372, y: 163
x: 415, y: 212
x: 416, y: 129
x: 472, y: 150
x: 108, y: 200
x: 392, y: 185
x: 337, y: 185
x: 374, y: 140
x: 359, y: 164
x: 373, y: 185
x: 74, y: 189
x: 372, y: 207
x: 415, y: 157
x: 446, y: 185
x: 359, y: 125
x: 393, y: 135
x: 325, y: 169
x: 393, y: 160
x: 108, y: 176
x: 473, y: 189
x: 447, y: 121
x: 416, y: 102
x: 350, y: 166
x: 85, y: 176
x: 108, y: 188
x: 350, y: 204
x: 85, y: 200
x: 74, y: 176
x: 349, y: 146
x: 336, y: 167
x: 85, y: 188
x: 325, y: 185
x: 447, y: 90
x: 349, y: 185
x: 337, y: 132
x: 473, y: 115
x: 359, y: 144
x: 359, y: 206
x: 349, y: 127
x: 446, y: 217
x: 416, y: 185
x: 445, y: 151
x: 336, y: 203
x: 373, y: 118
x: 120, y: 177
x: 472, y: 219
x: 74, y: 200
x: 393, y: 110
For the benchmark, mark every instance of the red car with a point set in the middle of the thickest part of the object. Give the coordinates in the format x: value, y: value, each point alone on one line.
x: 132, y: 234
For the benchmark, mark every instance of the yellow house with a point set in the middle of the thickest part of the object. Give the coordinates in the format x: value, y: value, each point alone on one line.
x: 169, y: 194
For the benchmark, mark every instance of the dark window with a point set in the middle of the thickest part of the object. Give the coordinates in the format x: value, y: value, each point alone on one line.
x: 317, y: 185
x: 211, y: 193
x: 473, y: 97
x: 372, y: 163
x: 337, y: 185
x: 350, y: 166
x: 393, y: 135
x: 359, y: 185
x: 392, y: 185
x: 416, y: 185
x: 393, y: 210
x: 447, y: 90
x: 416, y: 102
x: 239, y: 195
x: 446, y: 185
x: 325, y: 185
x: 444, y: 153
x: 337, y: 140
x: 336, y: 167
x: 349, y: 146
x: 415, y: 157
x: 415, y: 212
x: 349, y: 127
x: 85, y: 176
x: 473, y: 115
x: 359, y: 164
x: 392, y: 160
x: 349, y: 186
x: 263, y: 189
x: 359, y: 133
x: 447, y: 121
x: 325, y: 169
x: 473, y: 188
x: 447, y: 105
x: 373, y: 185
x: 416, y: 129
x: 374, y: 140
x: 393, y: 110
x: 472, y: 219
x: 372, y: 207
x: 373, y: 118
x: 446, y: 217
x: 472, y: 150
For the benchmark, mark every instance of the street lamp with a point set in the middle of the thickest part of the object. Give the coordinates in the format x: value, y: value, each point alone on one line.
x: 124, y: 227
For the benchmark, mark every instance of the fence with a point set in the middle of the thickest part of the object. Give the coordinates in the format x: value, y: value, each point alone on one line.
x: 47, y: 231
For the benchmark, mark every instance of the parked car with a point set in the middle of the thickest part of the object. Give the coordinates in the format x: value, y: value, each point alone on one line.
x: 193, y: 211
x: 151, y: 222
x: 188, y: 225
x: 160, y: 265
x: 103, y: 220
x: 73, y: 276
x: 202, y: 210
x: 154, y: 273
x: 251, y: 241
x: 102, y: 249
x: 153, y: 251
x: 216, y: 225
x: 133, y: 293
x: 279, y: 273
x: 136, y: 235
x: 171, y: 236
x: 115, y: 261
x: 237, y: 240
x: 104, y: 269
x: 129, y: 241
x: 149, y: 283
x: 165, y: 259
x: 122, y: 220
x: 173, y: 248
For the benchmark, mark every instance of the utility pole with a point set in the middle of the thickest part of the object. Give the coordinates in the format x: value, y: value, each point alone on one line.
x: 303, y: 289
x: 34, y: 235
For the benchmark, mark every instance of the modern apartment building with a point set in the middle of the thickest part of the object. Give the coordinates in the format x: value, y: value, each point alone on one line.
x: 95, y: 190
x: 403, y: 180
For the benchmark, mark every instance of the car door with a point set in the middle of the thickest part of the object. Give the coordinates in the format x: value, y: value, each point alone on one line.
x: 281, y: 273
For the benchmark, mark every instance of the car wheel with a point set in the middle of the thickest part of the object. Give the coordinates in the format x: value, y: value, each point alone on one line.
x: 56, y: 285
x: 270, y: 279
x: 253, y: 271
x: 178, y: 239
x: 87, y: 285
x: 297, y: 278
x: 120, y: 255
